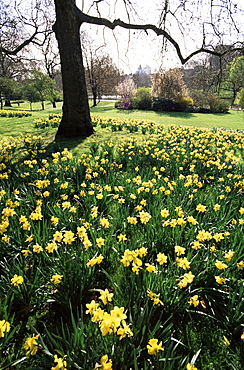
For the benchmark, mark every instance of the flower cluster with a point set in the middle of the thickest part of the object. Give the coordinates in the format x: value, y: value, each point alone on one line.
x: 113, y: 322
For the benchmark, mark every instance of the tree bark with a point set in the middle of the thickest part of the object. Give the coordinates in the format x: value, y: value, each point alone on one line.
x: 76, y: 120
x: 94, y: 96
x: 7, y: 103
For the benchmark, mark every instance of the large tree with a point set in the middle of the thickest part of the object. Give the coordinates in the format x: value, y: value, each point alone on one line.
x: 76, y: 120
x: 215, y: 19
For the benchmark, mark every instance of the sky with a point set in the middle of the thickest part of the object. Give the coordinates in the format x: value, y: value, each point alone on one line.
x: 129, y: 49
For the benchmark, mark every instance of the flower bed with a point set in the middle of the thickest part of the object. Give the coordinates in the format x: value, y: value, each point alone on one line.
x: 127, y: 258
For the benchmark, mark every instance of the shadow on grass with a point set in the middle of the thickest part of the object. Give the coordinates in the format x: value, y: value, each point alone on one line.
x: 128, y: 112
x: 60, y: 145
x: 185, y: 115
x: 101, y: 109
x: 161, y: 114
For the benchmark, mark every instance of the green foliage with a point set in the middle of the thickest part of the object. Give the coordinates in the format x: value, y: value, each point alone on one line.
x: 217, y: 105
x: 240, y: 98
x: 234, y: 77
x: 143, y: 99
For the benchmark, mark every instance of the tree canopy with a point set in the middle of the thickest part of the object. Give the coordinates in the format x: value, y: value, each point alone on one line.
x: 235, y: 77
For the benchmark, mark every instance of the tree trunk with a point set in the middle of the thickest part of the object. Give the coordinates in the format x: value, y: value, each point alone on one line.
x: 233, y: 97
x: 94, y: 95
x: 7, y: 103
x: 76, y: 120
x: 54, y: 104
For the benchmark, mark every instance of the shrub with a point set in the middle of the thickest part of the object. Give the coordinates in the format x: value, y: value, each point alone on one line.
x: 217, y: 105
x: 199, y: 97
x: 124, y: 103
x: 203, y: 110
x: 169, y: 85
x: 185, y: 102
x: 117, y: 104
x: 159, y: 104
x: 143, y: 98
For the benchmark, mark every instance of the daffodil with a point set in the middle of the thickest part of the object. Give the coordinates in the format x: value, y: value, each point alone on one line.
x: 106, y: 364
x: 31, y: 345
x: 4, y: 327
x: 56, y: 279
x: 17, y: 280
x: 105, y: 296
x: 154, y: 347
x: 61, y: 363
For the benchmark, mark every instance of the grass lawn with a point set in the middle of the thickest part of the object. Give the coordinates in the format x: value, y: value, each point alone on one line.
x: 14, y: 127
x: 232, y: 120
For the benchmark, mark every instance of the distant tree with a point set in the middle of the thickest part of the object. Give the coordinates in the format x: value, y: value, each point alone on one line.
x: 30, y: 94
x: 201, y: 76
x: 102, y: 75
x: 12, y: 67
x: 205, y: 75
x: 142, y: 78
x: 169, y: 85
x: 234, y: 77
x: 44, y: 86
x: 127, y: 88
x: 8, y: 91
x: 54, y: 95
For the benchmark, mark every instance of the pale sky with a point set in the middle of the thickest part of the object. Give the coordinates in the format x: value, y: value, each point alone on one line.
x: 129, y: 49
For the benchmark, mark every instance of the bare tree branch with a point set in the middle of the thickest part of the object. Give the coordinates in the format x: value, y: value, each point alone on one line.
x: 84, y: 18
x: 21, y: 46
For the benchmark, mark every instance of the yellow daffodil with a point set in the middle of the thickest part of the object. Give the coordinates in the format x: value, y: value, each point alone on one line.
x: 154, y: 347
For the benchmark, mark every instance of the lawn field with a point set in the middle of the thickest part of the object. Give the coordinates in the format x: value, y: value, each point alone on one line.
x: 122, y: 251
x: 232, y: 120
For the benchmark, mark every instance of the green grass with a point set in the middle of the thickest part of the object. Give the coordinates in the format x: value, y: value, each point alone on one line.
x: 14, y: 127
x: 232, y: 120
